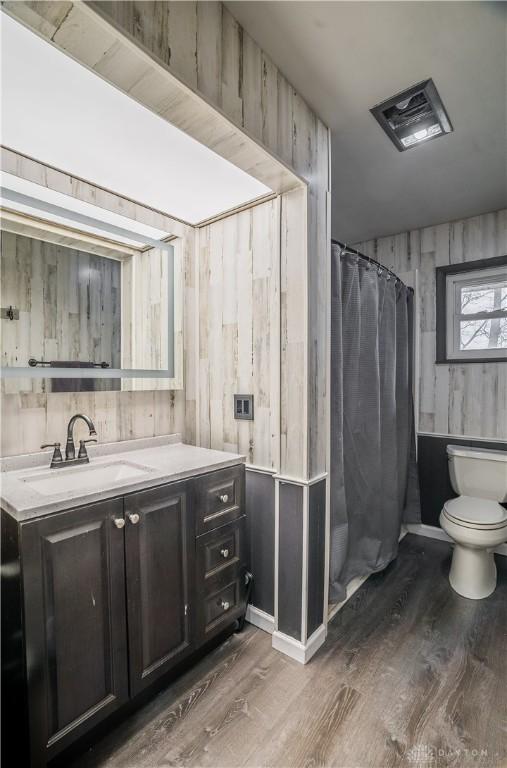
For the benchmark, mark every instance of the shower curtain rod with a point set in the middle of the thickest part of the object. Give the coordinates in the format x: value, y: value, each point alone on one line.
x: 346, y: 249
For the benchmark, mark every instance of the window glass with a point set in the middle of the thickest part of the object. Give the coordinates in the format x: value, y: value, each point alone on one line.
x: 483, y: 297
x: 483, y: 334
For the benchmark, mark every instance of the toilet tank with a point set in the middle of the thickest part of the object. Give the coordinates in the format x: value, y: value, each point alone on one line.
x: 478, y: 472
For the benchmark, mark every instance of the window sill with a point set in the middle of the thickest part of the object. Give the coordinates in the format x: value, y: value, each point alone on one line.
x: 468, y: 360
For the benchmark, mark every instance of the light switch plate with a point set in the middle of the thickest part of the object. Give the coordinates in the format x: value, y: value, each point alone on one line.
x: 244, y: 407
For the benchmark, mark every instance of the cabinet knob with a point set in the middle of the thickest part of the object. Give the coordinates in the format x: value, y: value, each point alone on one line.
x: 226, y: 605
x: 134, y: 518
x: 224, y: 498
x: 224, y: 553
x: 119, y: 522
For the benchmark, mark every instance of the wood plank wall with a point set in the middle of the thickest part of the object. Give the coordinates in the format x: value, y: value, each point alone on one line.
x: 203, y: 46
x: 467, y: 399
x: 239, y: 339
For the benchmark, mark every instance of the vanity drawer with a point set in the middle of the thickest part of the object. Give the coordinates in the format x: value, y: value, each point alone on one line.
x: 220, y: 549
x: 224, y: 602
x: 219, y: 498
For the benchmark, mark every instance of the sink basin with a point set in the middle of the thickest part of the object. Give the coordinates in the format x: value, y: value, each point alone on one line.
x: 96, y: 476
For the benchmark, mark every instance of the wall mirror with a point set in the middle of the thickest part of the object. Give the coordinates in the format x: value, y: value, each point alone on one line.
x: 86, y: 304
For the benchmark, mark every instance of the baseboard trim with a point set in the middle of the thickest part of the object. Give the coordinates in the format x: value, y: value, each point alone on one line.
x: 298, y: 651
x: 260, y: 619
x: 432, y: 532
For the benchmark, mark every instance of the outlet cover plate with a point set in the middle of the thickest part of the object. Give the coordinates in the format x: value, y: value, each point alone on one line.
x: 244, y: 407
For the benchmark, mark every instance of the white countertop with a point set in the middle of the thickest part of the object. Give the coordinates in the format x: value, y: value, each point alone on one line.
x: 164, y: 459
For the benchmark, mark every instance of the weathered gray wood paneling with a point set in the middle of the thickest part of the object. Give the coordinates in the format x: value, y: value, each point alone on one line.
x: 239, y: 292
x: 69, y: 305
x: 205, y: 47
x: 459, y: 399
x: 30, y: 420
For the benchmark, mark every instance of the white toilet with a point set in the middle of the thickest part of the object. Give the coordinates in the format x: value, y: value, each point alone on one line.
x: 475, y: 520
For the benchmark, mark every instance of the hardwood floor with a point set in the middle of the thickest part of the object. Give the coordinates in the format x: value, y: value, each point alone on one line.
x: 411, y: 674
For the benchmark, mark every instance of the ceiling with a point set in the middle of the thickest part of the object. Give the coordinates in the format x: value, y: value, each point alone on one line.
x: 62, y: 114
x: 345, y: 57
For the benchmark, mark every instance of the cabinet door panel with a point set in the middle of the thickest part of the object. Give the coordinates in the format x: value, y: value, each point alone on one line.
x: 75, y: 621
x: 159, y: 556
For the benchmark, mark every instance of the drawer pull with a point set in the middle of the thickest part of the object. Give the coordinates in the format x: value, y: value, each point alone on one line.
x: 224, y: 553
x: 226, y: 605
x: 119, y: 522
x: 134, y: 518
x: 224, y: 498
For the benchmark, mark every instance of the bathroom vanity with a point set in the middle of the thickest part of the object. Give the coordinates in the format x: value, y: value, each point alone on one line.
x: 113, y: 574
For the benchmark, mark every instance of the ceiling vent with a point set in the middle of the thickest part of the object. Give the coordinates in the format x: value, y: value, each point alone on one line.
x: 413, y: 116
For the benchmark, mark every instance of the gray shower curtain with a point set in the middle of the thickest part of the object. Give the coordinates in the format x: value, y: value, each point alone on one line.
x: 373, y: 471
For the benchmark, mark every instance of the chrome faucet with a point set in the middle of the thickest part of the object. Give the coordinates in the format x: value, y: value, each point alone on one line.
x: 70, y: 448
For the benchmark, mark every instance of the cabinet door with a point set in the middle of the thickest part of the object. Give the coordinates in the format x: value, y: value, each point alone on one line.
x: 159, y: 559
x: 75, y: 617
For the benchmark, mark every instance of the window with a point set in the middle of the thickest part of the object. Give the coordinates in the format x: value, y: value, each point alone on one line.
x: 472, y: 311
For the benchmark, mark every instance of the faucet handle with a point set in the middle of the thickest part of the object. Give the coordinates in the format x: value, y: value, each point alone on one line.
x: 57, y: 454
x: 82, y: 447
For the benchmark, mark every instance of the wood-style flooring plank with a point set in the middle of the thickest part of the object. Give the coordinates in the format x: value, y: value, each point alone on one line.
x: 411, y: 674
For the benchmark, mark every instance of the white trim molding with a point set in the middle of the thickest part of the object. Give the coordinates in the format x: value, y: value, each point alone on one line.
x: 260, y: 619
x: 301, y: 652
x: 432, y: 532
x: 260, y: 470
x: 299, y: 480
x: 277, y: 549
x: 304, y: 566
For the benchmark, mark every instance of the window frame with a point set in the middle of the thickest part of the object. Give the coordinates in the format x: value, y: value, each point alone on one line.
x: 447, y: 278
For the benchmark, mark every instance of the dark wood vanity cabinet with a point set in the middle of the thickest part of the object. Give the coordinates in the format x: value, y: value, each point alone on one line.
x: 109, y: 597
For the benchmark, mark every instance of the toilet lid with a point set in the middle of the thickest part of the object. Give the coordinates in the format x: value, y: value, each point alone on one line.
x: 477, y: 512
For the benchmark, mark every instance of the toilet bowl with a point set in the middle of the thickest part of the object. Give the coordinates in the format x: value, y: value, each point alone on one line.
x: 476, y: 521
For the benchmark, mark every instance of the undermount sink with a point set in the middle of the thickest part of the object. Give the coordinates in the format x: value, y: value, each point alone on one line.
x: 62, y: 480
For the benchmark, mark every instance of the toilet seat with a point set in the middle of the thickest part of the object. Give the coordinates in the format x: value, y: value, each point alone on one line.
x: 471, y: 512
